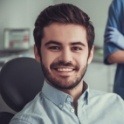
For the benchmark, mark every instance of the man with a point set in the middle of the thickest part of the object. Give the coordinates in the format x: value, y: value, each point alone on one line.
x: 64, y: 39
x: 114, y: 43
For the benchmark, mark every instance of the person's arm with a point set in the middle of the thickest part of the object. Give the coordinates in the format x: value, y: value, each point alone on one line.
x: 116, y: 57
x: 113, y: 38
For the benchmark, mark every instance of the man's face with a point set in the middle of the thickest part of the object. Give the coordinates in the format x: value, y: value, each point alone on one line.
x: 64, y: 54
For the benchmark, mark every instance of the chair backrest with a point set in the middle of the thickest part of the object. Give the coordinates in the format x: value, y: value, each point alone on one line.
x: 20, y: 80
x: 5, y: 117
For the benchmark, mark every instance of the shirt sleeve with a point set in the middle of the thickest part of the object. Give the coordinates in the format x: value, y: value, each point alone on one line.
x: 113, y: 38
x: 16, y: 121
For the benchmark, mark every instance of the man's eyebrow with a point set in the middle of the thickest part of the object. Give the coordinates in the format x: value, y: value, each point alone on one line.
x: 58, y: 43
x: 52, y: 42
x: 78, y: 43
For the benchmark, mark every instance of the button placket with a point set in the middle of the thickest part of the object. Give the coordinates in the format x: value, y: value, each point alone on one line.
x: 69, y: 104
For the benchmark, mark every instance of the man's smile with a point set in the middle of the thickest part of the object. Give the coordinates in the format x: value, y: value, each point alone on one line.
x: 65, y: 69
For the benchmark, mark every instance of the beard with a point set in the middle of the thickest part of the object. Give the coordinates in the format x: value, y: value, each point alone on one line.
x: 63, y: 84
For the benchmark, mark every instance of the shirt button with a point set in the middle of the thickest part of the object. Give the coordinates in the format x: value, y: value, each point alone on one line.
x: 60, y: 106
x: 72, y: 110
x: 68, y: 99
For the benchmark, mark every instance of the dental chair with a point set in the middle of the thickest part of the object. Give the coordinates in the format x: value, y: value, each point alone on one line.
x: 20, y: 80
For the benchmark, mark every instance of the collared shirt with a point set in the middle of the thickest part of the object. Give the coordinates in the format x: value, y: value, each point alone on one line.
x: 114, y: 41
x: 52, y: 106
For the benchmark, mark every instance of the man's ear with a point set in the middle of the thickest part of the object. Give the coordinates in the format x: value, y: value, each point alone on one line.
x: 91, y: 54
x: 36, y: 53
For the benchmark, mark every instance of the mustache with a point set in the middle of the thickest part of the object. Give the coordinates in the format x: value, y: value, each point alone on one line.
x: 65, y: 64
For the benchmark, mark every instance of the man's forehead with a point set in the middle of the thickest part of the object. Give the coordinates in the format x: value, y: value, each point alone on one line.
x: 57, y: 26
x: 65, y: 33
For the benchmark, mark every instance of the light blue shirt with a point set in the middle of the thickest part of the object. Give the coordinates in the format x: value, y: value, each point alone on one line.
x: 114, y: 41
x: 52, y: 106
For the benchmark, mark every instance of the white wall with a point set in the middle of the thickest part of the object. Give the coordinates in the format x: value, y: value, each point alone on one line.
x: 97, y: 10
x: 20, y: 14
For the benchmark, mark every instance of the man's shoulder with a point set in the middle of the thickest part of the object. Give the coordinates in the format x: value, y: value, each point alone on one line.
x: 100, y: 92
x: 32, y: 108
x: 106, y: 97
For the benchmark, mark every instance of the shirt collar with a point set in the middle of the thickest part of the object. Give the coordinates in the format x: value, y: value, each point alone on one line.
x: 85, y: 95
x: 56, y: 96
x: 59, y: 98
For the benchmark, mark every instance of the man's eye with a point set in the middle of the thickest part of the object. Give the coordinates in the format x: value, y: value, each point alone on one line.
x: 54, y: 48
x: 76, y: 48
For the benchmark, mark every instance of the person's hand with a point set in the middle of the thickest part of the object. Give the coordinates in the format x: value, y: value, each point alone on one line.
x: 114, y: 36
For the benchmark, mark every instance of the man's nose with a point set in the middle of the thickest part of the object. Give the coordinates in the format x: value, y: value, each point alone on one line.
x: 66, y: 55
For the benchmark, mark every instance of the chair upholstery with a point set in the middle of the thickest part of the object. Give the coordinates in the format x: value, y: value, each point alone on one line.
x: 20, y: 80
x: 5, y: 117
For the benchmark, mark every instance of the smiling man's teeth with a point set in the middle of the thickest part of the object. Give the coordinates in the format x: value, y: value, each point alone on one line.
x: 65, y: 69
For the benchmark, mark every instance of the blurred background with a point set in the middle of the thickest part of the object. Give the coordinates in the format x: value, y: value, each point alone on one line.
x: 17, y: 19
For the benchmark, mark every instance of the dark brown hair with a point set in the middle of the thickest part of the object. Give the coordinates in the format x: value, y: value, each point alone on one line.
x: 66, y: 14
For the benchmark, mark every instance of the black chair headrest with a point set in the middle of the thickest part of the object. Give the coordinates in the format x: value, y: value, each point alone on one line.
x: 20, y: 80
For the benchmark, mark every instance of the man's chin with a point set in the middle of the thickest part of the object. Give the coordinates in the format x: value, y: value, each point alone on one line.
x: 66, y: 85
